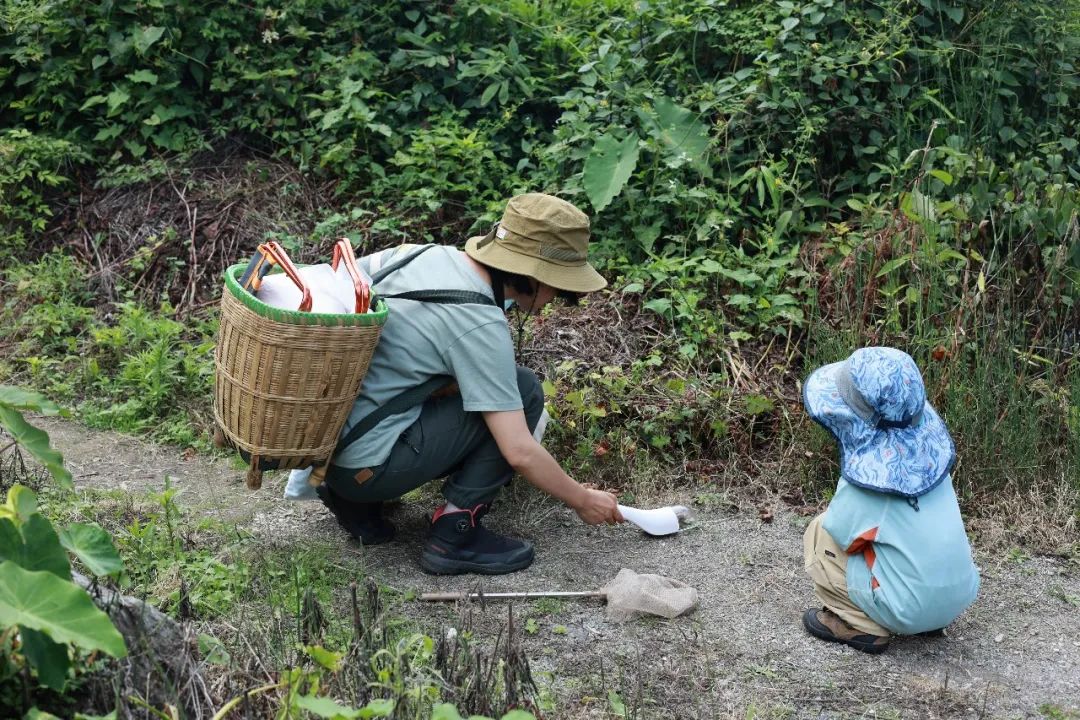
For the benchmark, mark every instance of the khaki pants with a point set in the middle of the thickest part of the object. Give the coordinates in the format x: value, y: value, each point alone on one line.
x: 826, y: 562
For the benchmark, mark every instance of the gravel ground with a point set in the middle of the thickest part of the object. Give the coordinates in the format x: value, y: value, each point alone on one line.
x: 743, y: 653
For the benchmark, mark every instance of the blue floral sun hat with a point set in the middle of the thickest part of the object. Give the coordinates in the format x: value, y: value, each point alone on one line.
x: 874, y: 403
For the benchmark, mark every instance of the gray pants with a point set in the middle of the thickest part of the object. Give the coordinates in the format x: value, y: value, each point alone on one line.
x: 445, y: 441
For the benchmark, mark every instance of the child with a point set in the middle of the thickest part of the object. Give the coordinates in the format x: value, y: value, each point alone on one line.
x: 889, y: 555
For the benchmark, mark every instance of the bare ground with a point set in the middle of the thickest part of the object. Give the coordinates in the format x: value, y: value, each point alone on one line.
x: 743, y: 653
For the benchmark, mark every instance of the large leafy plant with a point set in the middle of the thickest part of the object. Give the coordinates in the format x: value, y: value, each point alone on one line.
x: 44, y: 616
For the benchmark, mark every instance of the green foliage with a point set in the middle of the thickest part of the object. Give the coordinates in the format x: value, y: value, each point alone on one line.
x: 63, y: 612
x: 988, y: 314
x: 133, y: 369
x: 188, y: 581
x: 39, y: 599
x: 444, y: 113
x: 712, y: 141
x: 13, y: 402
x: 29, y: 166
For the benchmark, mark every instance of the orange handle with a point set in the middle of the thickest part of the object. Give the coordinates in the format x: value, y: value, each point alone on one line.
x: 343, y: 250
x: 277, y: 254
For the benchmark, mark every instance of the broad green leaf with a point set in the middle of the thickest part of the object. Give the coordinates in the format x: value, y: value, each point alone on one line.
x: 893, y: 265
x: 137, y: 149
x: 110, y: 716
x: 36, y: 442
x: 110, y: 132
x: 942, y: 176
x: 950, y: 254
x: 35, y: 714
x: 11, y: 541
x: 489, y: 93
x: 782, y: 223
x: 143, y: 76
x: 144, y: 37
x: 685, y: 137
x: 213, y: 650
x: 378, y: 708
x: 634, y: 287
x: 757, y: 404
x: 49, y: 658
x: 956, y: 14
x: 38, y: 548
x: 21, y: 503
x: 618, y: 707
x: 789, y: 23
x: 324, y: 707
x: 93, y: 547
x: 117, y: 98
x: 608, y: 167
x: 518, y: 715
x: 743, y: 277
x: 92, y: 101
x: 98, y: 61
x: 42, y: 601
x: 20, y: 399
x: 647, y: 235
x: 327, y: 658
x: 445, y: 711
x: 659, y: 305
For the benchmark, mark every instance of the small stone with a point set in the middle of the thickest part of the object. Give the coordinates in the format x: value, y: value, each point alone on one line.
x: 998, y: 638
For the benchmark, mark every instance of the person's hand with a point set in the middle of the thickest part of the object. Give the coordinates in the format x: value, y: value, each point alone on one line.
x: 597, y: 506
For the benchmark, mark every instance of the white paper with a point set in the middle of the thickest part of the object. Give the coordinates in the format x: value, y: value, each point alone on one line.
x: 660, y: 521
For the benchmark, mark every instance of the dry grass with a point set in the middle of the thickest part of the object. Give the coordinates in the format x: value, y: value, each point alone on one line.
x: 173, y: 231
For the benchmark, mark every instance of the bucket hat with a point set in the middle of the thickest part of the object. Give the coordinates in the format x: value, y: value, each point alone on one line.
x: 891, y: 439
x: 542, y: 237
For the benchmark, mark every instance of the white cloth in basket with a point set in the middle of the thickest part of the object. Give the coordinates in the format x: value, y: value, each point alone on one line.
x: 331, y: 292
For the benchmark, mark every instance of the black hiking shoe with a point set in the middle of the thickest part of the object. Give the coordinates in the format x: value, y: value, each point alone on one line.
x: 364, y: 521
x: 827, y: 625
x: 457, y: 543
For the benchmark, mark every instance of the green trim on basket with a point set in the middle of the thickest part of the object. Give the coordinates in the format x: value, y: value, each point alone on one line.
x: 296, y: 317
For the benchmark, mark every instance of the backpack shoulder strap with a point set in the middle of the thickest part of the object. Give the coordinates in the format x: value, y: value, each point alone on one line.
x: 444, y: 297
x: 381, y: 274
x: 397, y: 404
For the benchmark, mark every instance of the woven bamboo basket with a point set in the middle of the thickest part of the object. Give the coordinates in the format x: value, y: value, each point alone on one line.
x: 285, y: 380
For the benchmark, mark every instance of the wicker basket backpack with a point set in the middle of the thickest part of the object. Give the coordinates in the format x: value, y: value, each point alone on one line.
x: 286, y: 380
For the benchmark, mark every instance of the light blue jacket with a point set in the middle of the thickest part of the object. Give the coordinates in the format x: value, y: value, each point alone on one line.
x: 910, y: 570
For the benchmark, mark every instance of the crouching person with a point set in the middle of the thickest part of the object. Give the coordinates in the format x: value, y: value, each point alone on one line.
x: 889, y: 556
x: 444, y: 398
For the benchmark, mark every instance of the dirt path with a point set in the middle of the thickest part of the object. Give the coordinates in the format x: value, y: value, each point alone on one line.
x: 743, y: 653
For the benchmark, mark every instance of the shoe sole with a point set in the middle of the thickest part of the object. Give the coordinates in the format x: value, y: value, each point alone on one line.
x: 438, y: 565
x: 818, y: 630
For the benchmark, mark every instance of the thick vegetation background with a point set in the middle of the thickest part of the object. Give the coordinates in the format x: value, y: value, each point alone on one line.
x: 772, y: 184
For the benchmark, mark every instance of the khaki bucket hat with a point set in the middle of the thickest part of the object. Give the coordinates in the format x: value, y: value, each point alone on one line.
x: 542, y: 237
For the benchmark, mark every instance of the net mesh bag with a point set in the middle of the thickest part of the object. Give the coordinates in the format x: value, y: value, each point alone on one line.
x: 631, y: 595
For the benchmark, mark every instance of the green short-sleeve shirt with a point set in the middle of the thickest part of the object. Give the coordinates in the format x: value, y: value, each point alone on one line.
x: 470, y: 342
